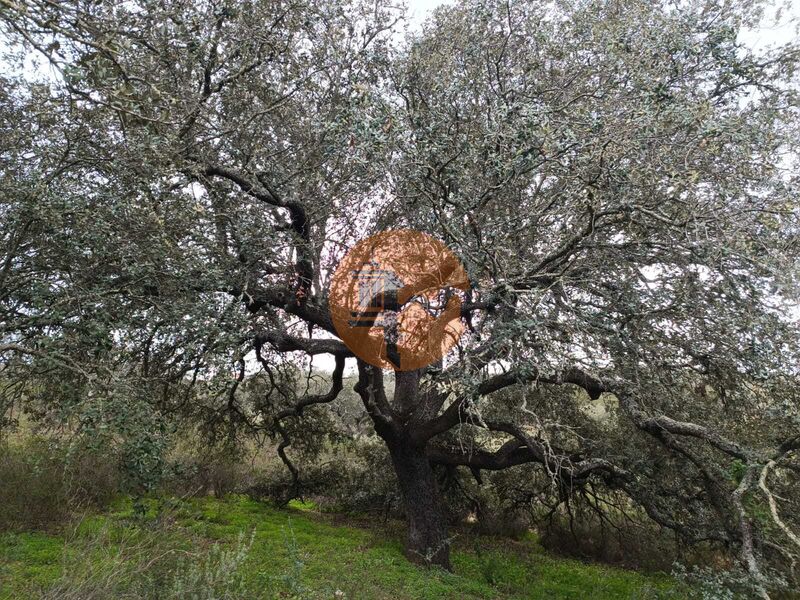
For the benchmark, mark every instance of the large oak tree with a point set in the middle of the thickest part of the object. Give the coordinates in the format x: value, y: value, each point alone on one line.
x: 178, y: 180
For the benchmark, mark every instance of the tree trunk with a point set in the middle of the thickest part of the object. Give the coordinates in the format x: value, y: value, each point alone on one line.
x: 427, y: 541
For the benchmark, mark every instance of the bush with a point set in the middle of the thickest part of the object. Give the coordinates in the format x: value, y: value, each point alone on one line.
x: 214, y: 575
x: 195, y: 468
x: 640, y: 546
x: 357, y: 478
x: 513, y: 525
x: 196, y: 475
x: 33, y: 494
x: 44, y: 482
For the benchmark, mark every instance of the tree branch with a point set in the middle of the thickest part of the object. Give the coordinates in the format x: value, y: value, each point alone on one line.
x: 284, y: 342
x: 297, y: 411
x: 297, y: 215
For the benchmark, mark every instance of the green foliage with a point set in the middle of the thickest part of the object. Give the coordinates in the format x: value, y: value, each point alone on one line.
x: 491, y: 566
x: 198, y: 548
x: 703, y: 583
x: 44, y: 480
x: 737, y: 470
x: 215, y: 576
x: 291, y: 580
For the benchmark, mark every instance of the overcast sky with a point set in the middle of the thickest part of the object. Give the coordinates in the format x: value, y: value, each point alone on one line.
x: 419, y: 8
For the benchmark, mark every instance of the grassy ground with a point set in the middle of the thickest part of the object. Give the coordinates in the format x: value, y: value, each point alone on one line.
x: 238, y: 548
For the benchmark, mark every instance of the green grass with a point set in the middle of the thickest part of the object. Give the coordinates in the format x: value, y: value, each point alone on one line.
x: 295, y: 553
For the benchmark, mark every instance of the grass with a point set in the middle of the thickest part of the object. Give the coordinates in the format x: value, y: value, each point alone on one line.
x: 262, y: 552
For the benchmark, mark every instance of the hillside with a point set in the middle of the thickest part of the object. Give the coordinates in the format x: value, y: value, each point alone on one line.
x: 238, y: 548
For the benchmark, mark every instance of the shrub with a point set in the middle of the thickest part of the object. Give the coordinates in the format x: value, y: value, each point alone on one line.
x: 33, y: 494
x: 514, y: 525
x: 356, y: 478
x: 197, y: 475
x: 213, y: 576
x: 45, y: 481
x: 614, y: 539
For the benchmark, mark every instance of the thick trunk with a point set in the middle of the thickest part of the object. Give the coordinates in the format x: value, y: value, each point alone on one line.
x: 427, y: 541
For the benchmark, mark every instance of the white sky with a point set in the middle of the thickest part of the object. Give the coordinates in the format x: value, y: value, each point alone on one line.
x: 418, y: 9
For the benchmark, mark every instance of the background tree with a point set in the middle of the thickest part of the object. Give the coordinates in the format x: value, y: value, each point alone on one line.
x: 619, y: 178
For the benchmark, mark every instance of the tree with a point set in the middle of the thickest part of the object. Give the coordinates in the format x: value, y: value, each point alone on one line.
x: 618, y: 178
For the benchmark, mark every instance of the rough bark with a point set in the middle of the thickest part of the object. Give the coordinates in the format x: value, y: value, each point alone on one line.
x: 427, y: 541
